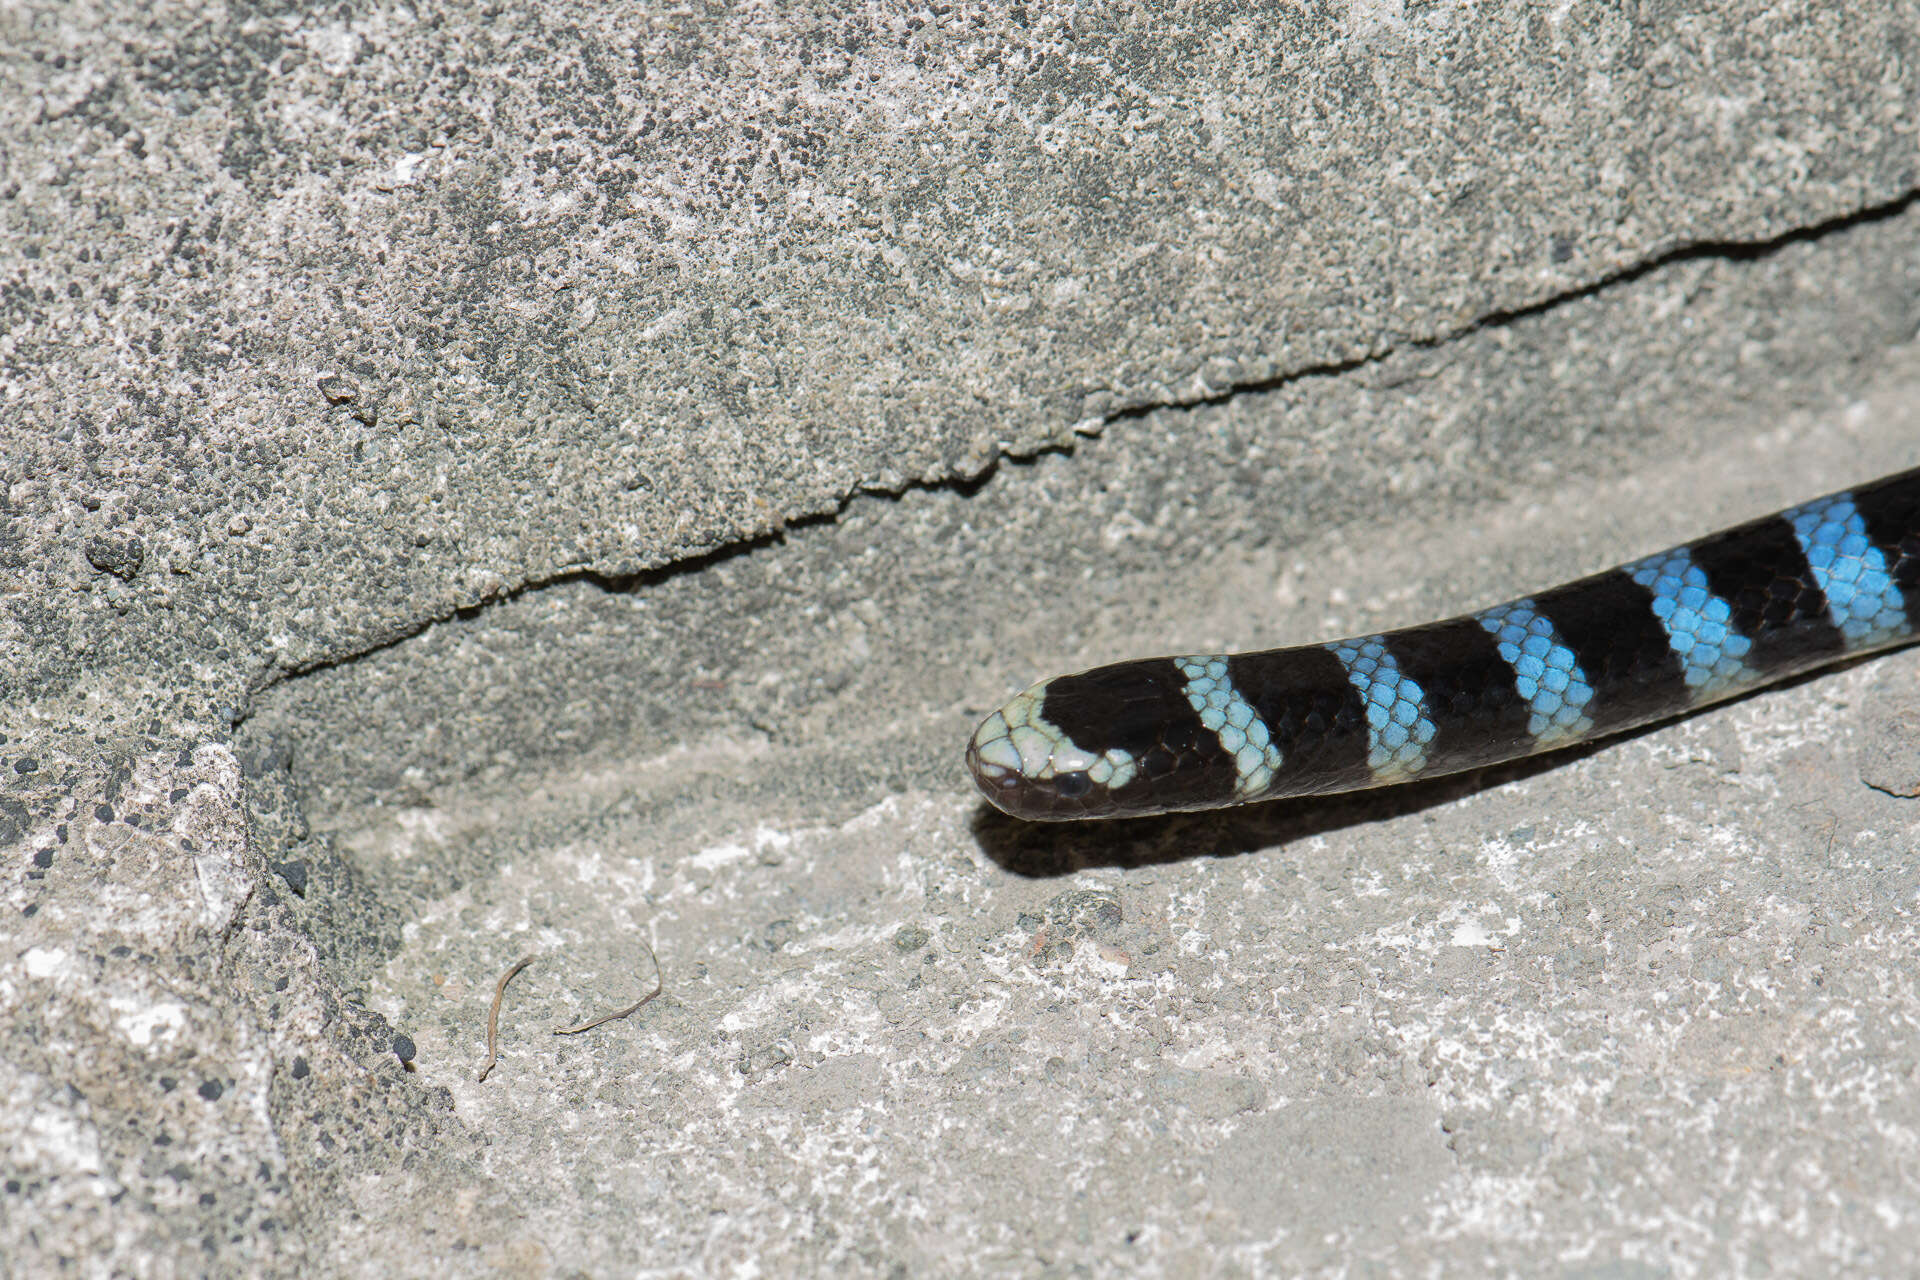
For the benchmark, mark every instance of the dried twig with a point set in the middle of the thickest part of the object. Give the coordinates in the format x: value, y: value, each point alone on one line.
x: 500, y: 991
x: 659, y: 985
x: 493, y: 1014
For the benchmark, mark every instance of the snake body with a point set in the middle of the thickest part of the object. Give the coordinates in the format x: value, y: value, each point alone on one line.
x: 1826, y: 580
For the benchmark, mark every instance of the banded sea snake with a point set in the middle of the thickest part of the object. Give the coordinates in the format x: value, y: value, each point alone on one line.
x: 1829, y: 579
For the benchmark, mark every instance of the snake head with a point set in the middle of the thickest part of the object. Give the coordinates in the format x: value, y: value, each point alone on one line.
x: 1116, y: 741
x: 1029, y: 767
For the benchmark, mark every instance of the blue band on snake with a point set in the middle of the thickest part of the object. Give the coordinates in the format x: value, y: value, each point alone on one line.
x: 1830, y: 579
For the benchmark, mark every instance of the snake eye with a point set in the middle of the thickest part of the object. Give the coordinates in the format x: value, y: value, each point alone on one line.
x: 1071, y: 786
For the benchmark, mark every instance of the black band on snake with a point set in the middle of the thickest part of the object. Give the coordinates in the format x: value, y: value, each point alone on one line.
x: 1826, y: 580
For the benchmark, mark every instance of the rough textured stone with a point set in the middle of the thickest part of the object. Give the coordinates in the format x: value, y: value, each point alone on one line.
x: 514, y: 480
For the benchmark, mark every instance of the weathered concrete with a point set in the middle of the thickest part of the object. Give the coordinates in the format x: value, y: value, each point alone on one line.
x: 402, y: 412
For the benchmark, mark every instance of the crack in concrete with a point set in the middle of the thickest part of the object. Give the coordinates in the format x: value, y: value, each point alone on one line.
x: 1697, y: 251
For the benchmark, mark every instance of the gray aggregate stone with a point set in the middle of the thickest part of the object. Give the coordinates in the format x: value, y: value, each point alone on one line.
x: 518, y: 480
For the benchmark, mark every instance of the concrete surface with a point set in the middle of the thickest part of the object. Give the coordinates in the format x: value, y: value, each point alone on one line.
x: 520, y: 480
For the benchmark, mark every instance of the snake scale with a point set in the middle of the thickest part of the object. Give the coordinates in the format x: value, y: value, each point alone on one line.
x: 1830, y: 579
